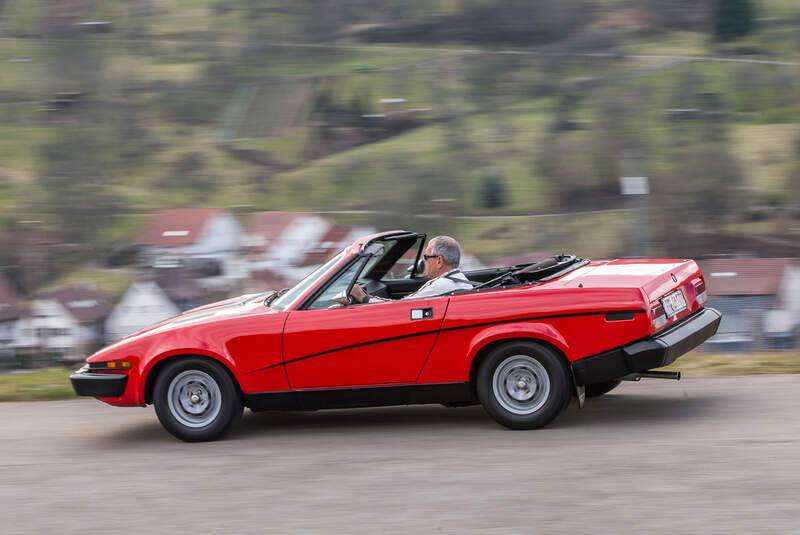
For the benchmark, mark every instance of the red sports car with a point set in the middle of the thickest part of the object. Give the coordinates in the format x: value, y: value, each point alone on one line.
x: 521, y: 342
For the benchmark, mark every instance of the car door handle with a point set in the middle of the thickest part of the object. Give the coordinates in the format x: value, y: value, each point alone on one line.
x: 421, y: 313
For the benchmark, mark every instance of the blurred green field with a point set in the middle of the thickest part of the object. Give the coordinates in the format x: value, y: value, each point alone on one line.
x: 697, y: 364
x: 38, y: 385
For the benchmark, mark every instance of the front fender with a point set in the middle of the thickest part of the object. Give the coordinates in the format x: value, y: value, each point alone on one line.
x: 177, y: 353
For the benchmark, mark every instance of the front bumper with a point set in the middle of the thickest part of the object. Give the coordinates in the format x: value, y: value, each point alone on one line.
x: 99, y: 385
x: 648, y: 353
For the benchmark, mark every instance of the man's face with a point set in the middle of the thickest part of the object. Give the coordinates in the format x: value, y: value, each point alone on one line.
x: 433, y: 264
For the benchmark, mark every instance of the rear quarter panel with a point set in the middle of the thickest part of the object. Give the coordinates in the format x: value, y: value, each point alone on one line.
x: 573, y: 320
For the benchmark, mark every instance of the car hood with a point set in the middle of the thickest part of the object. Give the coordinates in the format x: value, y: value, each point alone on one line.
x: 227, y: 308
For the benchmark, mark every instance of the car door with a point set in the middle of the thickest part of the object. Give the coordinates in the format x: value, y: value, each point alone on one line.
x: 357, y: 345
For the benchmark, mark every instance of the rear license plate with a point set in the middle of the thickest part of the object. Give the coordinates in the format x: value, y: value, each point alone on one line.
x: 673, y: 303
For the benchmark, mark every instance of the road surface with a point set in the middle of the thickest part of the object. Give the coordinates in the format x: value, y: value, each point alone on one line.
x: 703, y: 455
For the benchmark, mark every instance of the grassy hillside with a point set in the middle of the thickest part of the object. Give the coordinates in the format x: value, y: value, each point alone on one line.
x: 259, y: 107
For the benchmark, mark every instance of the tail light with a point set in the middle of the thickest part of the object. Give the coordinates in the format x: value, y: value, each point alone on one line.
x: 657, y: 315
x: 700, y: 291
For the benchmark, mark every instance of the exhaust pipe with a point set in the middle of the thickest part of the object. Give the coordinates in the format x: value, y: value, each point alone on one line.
x: 661, y: 375
x: 637, y: 376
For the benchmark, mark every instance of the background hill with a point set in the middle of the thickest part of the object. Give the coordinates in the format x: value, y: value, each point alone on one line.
x: 492, y: 121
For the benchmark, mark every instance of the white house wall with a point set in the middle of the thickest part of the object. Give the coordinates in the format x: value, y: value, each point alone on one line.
x: 142, y: 305
x: 50, y: 326
x: 220, y: 238
x: 789, y: 293
x: 299, y: 237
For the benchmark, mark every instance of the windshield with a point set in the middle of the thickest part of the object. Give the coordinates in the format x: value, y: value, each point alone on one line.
x: 285, y: 301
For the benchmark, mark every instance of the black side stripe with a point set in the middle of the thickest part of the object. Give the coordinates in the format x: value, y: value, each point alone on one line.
x: 485, y: 324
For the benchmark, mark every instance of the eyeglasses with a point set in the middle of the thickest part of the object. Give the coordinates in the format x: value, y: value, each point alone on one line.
x: 429, y: 256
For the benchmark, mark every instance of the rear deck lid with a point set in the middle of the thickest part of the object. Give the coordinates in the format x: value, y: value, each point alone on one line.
x: 655, y: 277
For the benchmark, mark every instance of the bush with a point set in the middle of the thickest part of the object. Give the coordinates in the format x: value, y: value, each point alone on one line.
x: 731, y: 19
x: 493, y: 191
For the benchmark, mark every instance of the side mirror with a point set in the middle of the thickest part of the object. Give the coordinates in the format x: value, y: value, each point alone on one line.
x: 342, y: 298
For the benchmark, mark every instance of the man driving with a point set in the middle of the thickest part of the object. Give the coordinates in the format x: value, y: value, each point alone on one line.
x: 442, y: 257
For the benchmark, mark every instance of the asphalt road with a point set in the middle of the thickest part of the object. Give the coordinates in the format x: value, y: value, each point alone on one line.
x: 705, y: 455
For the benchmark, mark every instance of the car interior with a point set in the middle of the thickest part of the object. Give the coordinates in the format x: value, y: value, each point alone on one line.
x: 390, y: 267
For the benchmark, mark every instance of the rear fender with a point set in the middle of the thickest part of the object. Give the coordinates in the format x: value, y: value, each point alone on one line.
x: 536, y: 332
x: 497, y: 333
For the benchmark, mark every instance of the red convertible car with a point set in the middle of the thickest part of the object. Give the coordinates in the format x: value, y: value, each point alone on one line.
x: 521, y: 342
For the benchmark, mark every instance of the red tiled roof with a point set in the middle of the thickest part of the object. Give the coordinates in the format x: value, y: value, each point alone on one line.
x: 331, y: 243
x: 269, y: 225
x: 744, y: 276
x: 8, y: 300
x: 173, y: 228
x: 179, y: 286
x: 83, y: 302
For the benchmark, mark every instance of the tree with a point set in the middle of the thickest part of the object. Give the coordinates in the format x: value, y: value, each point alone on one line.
x: 77, y: 181
x: 493, y: 191
x: 732, y: 19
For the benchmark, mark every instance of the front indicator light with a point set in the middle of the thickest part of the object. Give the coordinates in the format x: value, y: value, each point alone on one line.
x: 111, y: 365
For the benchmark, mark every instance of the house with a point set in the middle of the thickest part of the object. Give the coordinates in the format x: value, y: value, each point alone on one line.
x: 281, y: 240
x: 199, y: 233
x: 336, y: 238
x: 9, y: 314
x: 148, y: 302
x: 759, y: 299
x: 63, y: 325
x: 264, y: 280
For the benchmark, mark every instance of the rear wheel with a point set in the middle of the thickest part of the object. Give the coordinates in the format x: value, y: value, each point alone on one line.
x: 595, y: 390
x: 523, y: 385
x: 196, y: 400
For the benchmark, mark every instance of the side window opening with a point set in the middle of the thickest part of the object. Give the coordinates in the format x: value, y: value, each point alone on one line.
x: 342, y: 283
x: 402, y: 267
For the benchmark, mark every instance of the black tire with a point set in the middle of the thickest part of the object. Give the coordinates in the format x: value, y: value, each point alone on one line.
x: 196, y: 399
x: 529, y: 363
x: 595, y: 390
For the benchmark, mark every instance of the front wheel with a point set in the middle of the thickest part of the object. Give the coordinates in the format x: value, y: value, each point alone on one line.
x: 523, y: 385
x: 196, y: 400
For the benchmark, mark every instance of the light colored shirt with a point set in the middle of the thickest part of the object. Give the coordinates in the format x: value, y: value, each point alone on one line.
x: 444, y: 283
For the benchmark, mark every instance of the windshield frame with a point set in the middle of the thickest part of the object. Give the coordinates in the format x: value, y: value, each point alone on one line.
x: 308, y: 283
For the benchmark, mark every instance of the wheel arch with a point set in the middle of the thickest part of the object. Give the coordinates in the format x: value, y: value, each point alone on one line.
x: 485, y: 350
x: 156, y: 369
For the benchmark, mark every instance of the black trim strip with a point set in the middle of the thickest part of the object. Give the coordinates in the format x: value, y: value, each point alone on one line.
x: 619, y: 316
x: 423, y: 333
x: 368, y: 396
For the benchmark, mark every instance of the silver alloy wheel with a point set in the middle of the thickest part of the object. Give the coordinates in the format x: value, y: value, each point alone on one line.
x: 194, y: 398
x: 521, y: 384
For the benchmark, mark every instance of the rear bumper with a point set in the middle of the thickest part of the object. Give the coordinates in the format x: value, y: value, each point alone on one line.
x: 651, y: 352
x: 99, y: 385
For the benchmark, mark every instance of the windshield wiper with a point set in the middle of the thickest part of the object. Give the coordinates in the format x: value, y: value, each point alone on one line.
x: 275, y: 295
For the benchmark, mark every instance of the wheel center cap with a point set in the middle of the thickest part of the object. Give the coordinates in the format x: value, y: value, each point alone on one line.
x: 195, y: 398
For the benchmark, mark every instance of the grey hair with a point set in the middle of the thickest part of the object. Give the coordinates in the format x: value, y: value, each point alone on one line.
x: 448, y: 248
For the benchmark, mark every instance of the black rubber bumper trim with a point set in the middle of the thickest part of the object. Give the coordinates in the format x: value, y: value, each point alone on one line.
x: 648, y: 353
x: 99, y: 385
